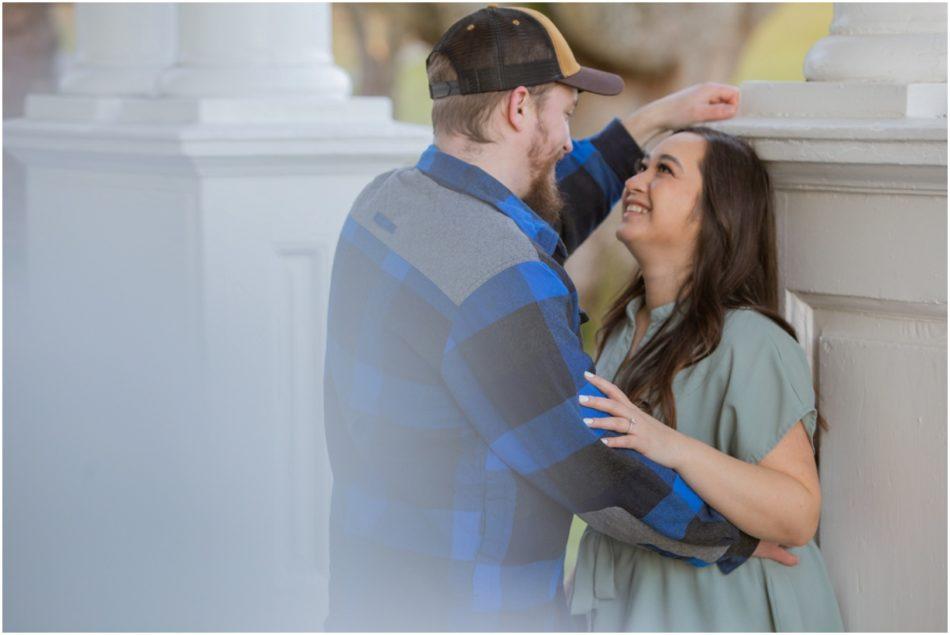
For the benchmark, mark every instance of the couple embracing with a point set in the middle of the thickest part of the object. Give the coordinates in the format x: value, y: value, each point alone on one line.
x: 465, y: 423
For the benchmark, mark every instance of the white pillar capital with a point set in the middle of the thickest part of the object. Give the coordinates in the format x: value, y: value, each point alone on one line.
x: 902, y: 43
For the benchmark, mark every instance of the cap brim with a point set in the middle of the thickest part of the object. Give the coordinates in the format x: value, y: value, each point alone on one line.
x: 594, y: 81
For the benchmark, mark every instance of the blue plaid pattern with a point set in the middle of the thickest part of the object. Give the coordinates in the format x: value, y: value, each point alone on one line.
x: 454, y: 430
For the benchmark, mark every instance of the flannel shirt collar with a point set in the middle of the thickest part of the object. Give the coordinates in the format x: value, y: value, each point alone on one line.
x: 468, y: 179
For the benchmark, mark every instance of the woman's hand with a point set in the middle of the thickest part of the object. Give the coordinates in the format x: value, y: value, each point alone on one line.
x: 774, y: 551
x: 641, y: 432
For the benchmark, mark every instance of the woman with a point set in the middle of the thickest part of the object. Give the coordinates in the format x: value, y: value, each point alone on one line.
x: 697, y: 342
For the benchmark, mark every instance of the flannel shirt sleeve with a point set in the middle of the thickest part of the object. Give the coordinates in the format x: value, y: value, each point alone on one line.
x: 620, y: 525
x: 514, y: 363
x: 591, y: 180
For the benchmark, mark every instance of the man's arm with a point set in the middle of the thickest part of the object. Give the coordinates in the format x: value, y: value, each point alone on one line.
x: 515, y: 365
x: 591, y: 180
x: 621, y: 525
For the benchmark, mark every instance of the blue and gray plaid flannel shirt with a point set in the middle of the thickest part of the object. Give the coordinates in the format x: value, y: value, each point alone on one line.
x: 454, y: 363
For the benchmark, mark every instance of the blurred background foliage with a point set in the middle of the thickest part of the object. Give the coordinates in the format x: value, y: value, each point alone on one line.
x: 369, y: 37
x: 656, y: 47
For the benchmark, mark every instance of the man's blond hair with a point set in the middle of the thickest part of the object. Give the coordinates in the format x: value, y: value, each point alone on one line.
x: 469, y: 115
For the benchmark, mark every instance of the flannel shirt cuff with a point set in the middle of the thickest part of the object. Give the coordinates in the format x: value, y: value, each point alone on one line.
x: 738, y: 553
x: 619, y: 150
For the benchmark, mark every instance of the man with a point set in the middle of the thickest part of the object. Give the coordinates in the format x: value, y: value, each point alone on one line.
x: 454, y: 363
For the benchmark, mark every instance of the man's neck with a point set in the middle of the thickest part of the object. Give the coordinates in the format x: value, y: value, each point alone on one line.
x: 503, y: 166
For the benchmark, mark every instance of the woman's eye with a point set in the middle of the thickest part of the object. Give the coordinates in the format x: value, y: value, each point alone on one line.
x: 665, y: 168
x: 641, y: 166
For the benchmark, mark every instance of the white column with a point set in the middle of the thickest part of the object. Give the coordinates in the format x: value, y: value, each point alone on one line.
x: 858, y: 157
x: 167, y: 455
x: 120, y: 48
x: 255, y: 49
x: 905, y: 43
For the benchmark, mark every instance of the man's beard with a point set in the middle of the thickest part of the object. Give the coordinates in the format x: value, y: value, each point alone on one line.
x: 543, y: 195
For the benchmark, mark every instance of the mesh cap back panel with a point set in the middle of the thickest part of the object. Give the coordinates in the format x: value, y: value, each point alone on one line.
x: 498, y: 53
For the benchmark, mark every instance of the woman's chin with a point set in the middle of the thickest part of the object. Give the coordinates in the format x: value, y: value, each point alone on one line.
x: 631, y: 233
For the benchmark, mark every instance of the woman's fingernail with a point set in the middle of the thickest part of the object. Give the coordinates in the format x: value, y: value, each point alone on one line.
x: 588, y: 374
x: 604, y: 441
x: 583, y: 398
x: 588, y: 421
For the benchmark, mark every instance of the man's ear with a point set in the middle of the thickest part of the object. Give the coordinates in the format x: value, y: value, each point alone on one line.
x: 517, y: 108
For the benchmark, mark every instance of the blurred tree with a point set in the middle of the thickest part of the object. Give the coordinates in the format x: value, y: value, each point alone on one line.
x: 656, y: 48
x: 29, y: 52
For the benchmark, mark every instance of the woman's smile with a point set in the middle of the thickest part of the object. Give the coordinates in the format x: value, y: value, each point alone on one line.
x: 634, y: 207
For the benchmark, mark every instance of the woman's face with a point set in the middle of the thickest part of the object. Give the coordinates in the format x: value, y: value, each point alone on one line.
x: 660, y: 201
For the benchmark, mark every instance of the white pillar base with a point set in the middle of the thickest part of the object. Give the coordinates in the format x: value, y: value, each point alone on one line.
x: 121, y: 49
x: 182, y: 200
x: 278, y: 110
x: 179, y: 257
x: 104, y: 80
x: 897, y: 42
x: 849, y: 100
x: 860, y: 177
x: 329, y: 81
x: 252, y: 49
x: 879, y: 58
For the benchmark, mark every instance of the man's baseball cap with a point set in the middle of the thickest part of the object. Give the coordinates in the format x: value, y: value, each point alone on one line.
x: 500, y: 48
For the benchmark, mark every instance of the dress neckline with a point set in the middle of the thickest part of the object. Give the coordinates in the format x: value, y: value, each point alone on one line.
x: 658, y: 314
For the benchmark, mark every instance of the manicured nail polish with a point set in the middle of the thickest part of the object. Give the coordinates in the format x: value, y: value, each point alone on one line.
x: 588, y: 421
x: 583, y: 398
x: 604, y: 441
x: 588, y: 374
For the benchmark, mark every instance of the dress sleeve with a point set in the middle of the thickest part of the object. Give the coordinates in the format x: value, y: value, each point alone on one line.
x: 769, y: 390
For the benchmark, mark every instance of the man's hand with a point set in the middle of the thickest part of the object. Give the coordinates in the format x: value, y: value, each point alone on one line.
x: 694, y: 105
x: 773, y: 551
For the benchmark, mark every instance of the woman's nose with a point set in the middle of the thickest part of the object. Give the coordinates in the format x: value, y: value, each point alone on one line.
x: 637, y: 182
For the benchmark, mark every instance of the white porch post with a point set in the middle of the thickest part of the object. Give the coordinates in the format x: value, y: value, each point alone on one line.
x: 184, y: 193
x: 858, y: 156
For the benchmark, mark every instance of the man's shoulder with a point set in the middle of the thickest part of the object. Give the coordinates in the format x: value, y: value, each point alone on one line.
x: 455, y: 240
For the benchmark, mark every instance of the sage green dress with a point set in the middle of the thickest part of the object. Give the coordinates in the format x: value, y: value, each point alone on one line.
x: 742, y: 400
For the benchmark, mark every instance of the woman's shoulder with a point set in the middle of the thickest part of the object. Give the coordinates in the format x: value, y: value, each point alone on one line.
x: 758, y: 351
x: 768, y: 386
x: 748, y: 332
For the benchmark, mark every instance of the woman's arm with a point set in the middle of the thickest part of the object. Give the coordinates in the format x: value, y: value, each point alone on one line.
x: 777, y: 500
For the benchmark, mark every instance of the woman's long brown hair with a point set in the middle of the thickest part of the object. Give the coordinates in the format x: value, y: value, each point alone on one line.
x: 735, y: 266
